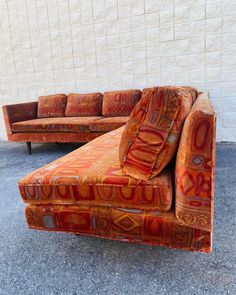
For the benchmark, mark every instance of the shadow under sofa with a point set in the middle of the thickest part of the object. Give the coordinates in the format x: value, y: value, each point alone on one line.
x: 87, y: 192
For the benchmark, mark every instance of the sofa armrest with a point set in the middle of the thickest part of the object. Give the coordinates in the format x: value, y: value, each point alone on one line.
x: 19, y: 112
x: 195, y: 165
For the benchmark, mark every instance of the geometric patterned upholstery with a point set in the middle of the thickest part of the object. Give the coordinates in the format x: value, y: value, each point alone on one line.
x: 91, y: 175
x: 80, y: 105
x: 62, y: 124
x: 139, y: 226
x: 151, y: 136
x: 108, y: 124
x: 52, y: 105
x: 120, y: 103
x: 195, y: 167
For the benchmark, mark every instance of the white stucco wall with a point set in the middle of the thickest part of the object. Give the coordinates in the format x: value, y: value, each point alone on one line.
x: 50, y: 46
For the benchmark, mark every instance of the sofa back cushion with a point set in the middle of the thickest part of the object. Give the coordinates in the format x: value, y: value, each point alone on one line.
x: 195, y: 162
x: 52, y: 105
x: 120, y: 103
x: 83, y: 105
x: 151, y: 136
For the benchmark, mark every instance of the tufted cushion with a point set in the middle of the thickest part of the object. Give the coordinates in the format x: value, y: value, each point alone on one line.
x: 151, y: 135
x: 120, y: 103
x: 84, y: 104
x: 52, y: 105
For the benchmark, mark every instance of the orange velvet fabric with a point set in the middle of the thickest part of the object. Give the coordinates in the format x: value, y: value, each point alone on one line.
x: 151, y: 136
x: 19, y: 112
x: 52, y: 105
x: 80, y: 105
x: 91, y: 175
x: 108, y: 124
x: 120, y: 103
x: 54, y: 136
x: 63, y: 124
x: 139, y: 226
x: 195, y: 165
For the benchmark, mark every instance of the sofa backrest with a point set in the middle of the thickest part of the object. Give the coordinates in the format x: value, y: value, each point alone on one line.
x: 195, y: 163
x: 53, y: 105
x: 84, y: 105
x: 120, y: 103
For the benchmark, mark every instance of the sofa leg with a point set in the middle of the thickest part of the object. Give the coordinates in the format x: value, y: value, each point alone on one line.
x: 29, y: 147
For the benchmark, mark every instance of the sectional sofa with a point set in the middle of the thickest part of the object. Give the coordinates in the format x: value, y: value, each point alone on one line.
x: 150, y: 181
x: 69, y: 118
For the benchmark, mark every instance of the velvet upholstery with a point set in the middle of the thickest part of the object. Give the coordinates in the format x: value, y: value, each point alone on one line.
x: 92, y: 175
x: 120, y: 103
x: 84, y: 105
x: 54, y: 136
x: 151, y: 136
x: 63, y: 124
x: 19, y: 112
x: 86, y: 192
x: 108, y: 124
x: 138, y: 226
x: 52, y: 105
x: 195, y: 165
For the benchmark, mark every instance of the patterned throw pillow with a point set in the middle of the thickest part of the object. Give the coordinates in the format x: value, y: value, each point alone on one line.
x: 52, y: 105
x: 83, y: 105
x: 120, y: 103
x: 151, y: 136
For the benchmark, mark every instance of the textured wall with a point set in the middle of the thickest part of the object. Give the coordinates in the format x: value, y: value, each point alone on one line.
x: 50, y: 46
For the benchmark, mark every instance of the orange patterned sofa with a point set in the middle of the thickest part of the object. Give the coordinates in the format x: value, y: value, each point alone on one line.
x: 69, y: 118
x: 91, y: 192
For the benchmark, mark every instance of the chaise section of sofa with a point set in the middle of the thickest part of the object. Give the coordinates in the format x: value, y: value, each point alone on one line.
x: 85, y: 192
x: 91, y: 175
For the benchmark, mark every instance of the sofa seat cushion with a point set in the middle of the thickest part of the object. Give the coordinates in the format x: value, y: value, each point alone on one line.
x: 63, y: 124
x: 151, y: 135
x: 52, y: 105
x: 83, y: 105
x: 108, y: 124
x: 91, y: 175
x: 120, y: 103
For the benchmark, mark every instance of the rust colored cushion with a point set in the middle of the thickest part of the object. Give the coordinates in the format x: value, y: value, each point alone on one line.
x: 63, y: 124
x: 52, y: 105
x: 108, y: 124
x: 151, y: 135
x: 82, y: 105
x: 120, y: 103
x: 91, y: 175
x: 195, y: 165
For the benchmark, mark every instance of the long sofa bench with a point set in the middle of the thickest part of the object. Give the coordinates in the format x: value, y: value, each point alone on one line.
x: 69, y: 118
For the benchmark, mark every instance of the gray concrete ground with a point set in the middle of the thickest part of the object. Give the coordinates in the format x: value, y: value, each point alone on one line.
x: 34, y: 262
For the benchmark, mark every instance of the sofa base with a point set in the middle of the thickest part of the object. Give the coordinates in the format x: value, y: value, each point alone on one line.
x: 130, y: 225
x: 54, y: 137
